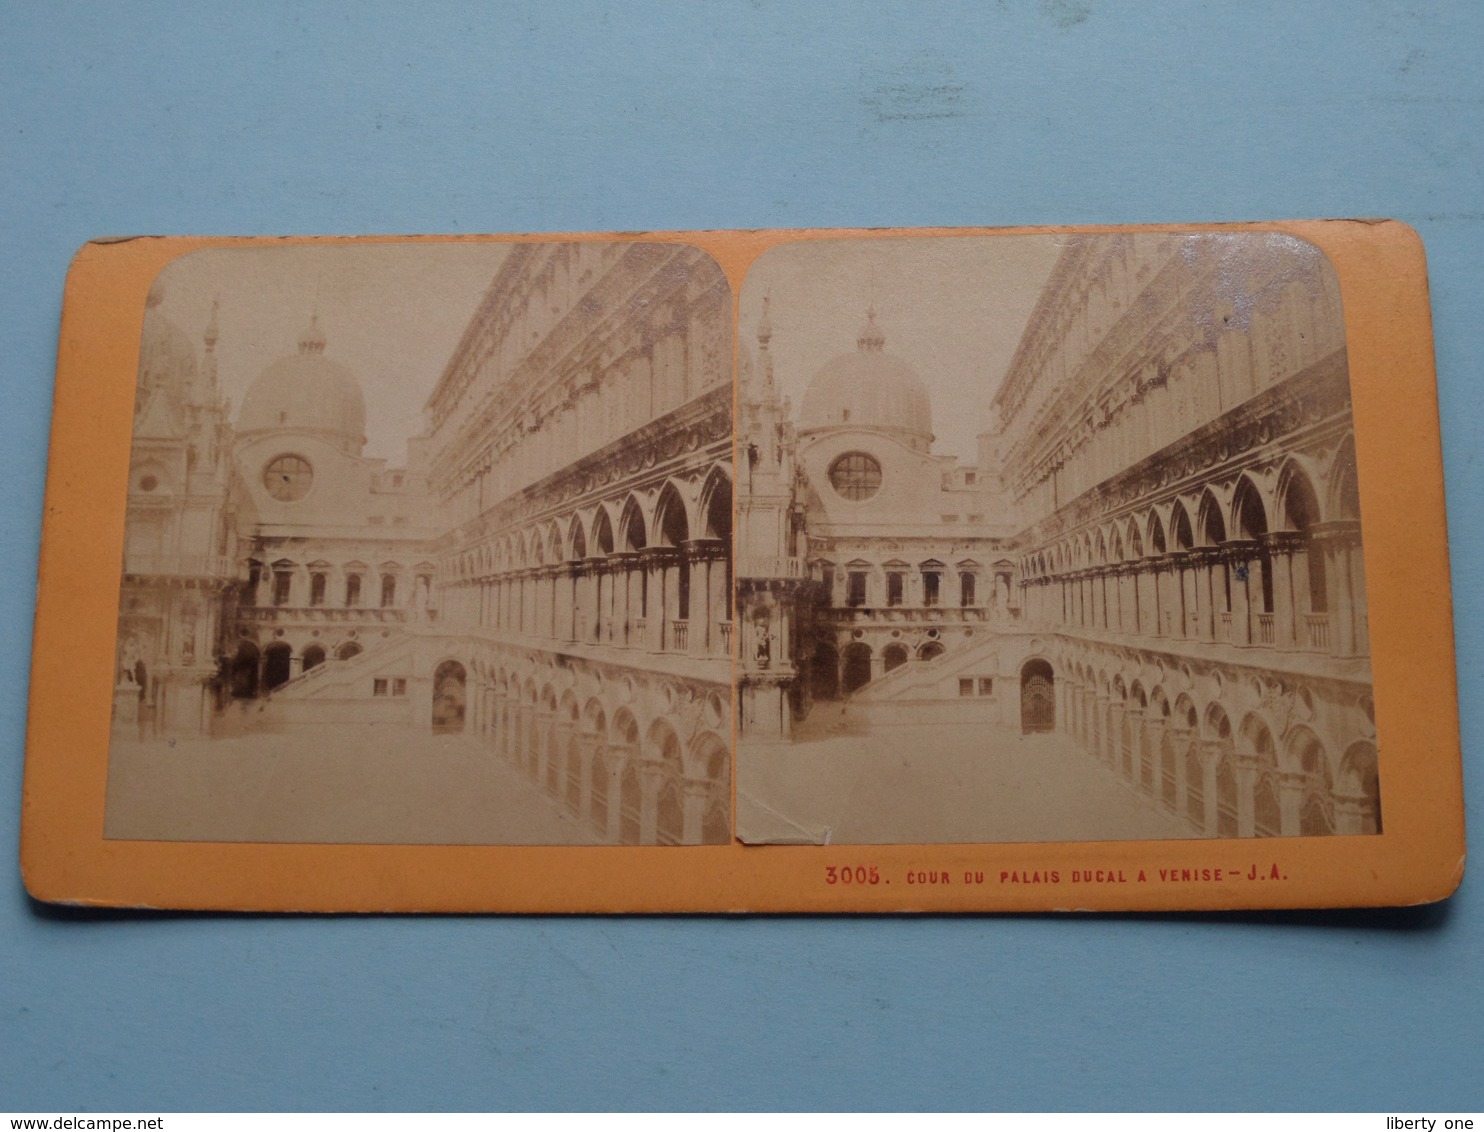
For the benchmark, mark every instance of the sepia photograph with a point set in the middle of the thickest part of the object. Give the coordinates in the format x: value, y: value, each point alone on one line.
x: 1049, y: 538
x: 429, y: 543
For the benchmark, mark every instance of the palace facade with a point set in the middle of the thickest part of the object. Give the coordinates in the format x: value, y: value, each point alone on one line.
x: 1155, y: 552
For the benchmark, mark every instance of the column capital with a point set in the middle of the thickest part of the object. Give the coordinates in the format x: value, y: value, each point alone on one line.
x: 1339, y: 532
x: 702, y: 549
x: 1283, y: 542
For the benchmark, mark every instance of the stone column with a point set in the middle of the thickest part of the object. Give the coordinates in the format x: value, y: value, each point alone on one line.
x: 1180, y: 740
x: 651, y: 778
x: 1246, y: 575
x: 1132, y: 769
x: 696, y: 794
x: 573, y: 583
x: 1345, y: 581
x: 587, y: 749
x: 1154, y: 731
x: 1354, y: 814
x: 1115, y: 733
x: 1291, y: 801
x: 1282, y: 546
x: 618, y: 762
x: 1211, y: 751
x: 707, y: 598
x: 1246, y: 794
x: 599, y: 581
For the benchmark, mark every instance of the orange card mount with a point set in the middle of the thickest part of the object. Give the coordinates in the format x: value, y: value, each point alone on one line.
x: 855, y: 571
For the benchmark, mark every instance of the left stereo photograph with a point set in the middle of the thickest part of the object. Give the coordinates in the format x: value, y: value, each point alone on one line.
x: 428, y: 544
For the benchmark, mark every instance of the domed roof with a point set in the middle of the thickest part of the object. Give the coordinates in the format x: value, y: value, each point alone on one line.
x: 869, y: 389
x: 306, y: 392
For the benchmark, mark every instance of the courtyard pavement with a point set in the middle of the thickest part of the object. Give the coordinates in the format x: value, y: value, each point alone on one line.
x: 345, y: 784
x: 945, y: 782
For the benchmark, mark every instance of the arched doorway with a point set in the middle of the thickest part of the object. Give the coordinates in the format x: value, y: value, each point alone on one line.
x: 348, y: 650
x: 857, y: 667
x: 824, y: 673
x: 314, y: 656
x: 277, y: 666
x: 448, y: 698
x: 1037, y: 698
x: 245, y: 671
x: 894, y: 656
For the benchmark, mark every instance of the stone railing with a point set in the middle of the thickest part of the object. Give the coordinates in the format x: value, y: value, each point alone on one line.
x: 180, y: 565
x: 770, y: 567
x: 325, y: 613
x: 1316, y: 630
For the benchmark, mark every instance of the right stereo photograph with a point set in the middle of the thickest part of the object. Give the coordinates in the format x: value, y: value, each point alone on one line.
x: 1049, y: 538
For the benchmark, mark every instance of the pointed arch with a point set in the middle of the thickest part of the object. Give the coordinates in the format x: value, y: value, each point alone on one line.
x: 1180, y: 531
x: 671, y: 522
x: 1156, y: 530
x: 716, y: 505
x: 632, y: 533
x: 1249, y: 514
x: 602, y: 527
x: 576, y: 540
x: 1344, y: 483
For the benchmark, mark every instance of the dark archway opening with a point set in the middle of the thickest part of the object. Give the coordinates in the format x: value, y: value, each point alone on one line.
x: 245, y: 671
x: 1037, y: 698
x: 857, y: 667
x: 448, y: 698
x: 277, y: 666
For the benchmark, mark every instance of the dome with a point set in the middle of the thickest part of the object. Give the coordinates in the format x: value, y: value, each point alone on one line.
x: 869, y: 389
x: 306, y: 392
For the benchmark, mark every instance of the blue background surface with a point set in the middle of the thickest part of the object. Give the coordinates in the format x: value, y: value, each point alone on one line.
x: 390, y: 117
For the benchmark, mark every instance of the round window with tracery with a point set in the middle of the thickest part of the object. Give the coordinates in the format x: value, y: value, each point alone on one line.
x: 856, y: 475
x: 287, y: 478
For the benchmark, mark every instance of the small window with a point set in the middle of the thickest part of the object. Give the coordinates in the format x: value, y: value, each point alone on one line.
x: 986, y: 685
x: 966, y: 686
x: 148, y: 483
x: 399, y: 686
x: 316, y: 589
x: 971, y: 477
x: 388, y: 591
x: 378, y: 687
x: 282, y: 583
x: 855, y: 589
x: 966, y: 589
x: 931, y: 583
x: 352, y: 591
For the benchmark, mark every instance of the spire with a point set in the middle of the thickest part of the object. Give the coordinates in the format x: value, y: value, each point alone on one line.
x: 764, y: 336
x: 870, y: 336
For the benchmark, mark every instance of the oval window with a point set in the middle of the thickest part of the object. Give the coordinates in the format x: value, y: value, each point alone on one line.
x: 856, y: 475
x: 287, y: 478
